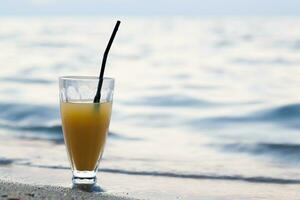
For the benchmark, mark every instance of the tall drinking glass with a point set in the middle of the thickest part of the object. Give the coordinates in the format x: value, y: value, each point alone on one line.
x: 85, y: 125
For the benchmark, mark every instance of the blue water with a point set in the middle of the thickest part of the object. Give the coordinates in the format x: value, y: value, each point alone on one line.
x: 204, y: 93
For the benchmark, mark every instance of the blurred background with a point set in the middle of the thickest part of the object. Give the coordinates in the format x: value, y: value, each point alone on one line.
x: 204, y: 89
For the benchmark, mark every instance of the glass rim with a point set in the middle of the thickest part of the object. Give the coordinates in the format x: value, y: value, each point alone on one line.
x: 84, y: 78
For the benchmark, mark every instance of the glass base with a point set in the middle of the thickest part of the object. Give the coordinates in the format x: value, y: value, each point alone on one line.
x: 87, y: 188
x: 86, y: 181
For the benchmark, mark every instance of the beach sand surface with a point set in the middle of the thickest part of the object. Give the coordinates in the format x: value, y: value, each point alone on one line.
x: 24, y: 182
x: 13, y: 190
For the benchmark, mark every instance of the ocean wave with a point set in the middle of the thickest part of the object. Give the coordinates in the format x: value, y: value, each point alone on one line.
x: 285, y: 112
x: 170, y: 100
x: 25, y: 113
x: 31, y: 119
x: 49, y: 44
x: 265, y: 147
x: 6, y: 161
x: 271, y: 62
x: 286, y: 115
x: 25, y: 80
x: 258, y: 179
x: 40, y: 122
x: 280, y: 151
x: 51, y: 132
x: 32, y: 128
x: 254, y: 179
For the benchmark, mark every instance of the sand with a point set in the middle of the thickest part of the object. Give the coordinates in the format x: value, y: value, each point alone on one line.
x: 14, y: 191
x: 22, y: 179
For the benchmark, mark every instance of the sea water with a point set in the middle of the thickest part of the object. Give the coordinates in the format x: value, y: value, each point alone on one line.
x: 197, y: 98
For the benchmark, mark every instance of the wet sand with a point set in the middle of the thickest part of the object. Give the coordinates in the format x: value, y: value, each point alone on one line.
x: 24, y: 182
x: 27, y: 182
x: 11, y: 190
x: 38, y: 178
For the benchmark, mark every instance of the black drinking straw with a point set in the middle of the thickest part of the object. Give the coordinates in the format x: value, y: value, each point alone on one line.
x: 98, y: 94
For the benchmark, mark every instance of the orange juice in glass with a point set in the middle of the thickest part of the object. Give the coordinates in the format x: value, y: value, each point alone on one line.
x: 85, y: 125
